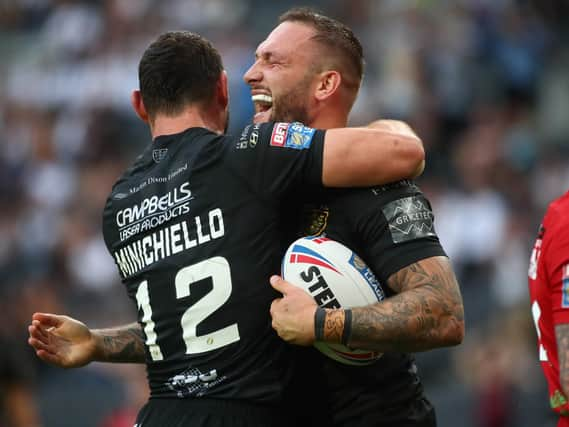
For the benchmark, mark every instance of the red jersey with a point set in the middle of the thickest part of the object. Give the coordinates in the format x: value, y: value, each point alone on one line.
x: 549, y: 295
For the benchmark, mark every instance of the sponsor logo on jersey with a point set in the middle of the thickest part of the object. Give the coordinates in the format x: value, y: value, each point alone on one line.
x: 154, y: 205
x: 279, y: 135
x: 299, y: 136
x: 409, y: 218
x: 159, y: 154
x: 243, y: 138
x: 192, y: 382
x: 565, y: 286
x: 153, y: 180
x: 253, y: 139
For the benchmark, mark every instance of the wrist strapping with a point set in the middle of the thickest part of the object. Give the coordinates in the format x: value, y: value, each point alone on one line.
x: 346, y: 334
x: 319, y: 319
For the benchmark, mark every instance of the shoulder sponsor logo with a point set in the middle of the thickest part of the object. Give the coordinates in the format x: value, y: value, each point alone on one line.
x: 278, y: 137
x: 409, y: 218
x: 299, y: 136
x: 159, y: 154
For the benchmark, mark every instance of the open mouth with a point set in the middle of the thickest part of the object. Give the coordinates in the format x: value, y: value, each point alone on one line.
x: 263, y: 104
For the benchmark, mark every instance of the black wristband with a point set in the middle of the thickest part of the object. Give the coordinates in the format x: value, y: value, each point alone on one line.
x: 347, y: 326
x: 319, y: 319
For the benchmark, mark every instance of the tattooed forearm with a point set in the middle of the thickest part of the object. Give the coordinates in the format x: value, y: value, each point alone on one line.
x: 124, y: 344
x: 562, y: 336
x: 426, y: 313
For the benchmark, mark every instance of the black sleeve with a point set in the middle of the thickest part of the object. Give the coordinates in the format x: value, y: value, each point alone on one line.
x: 395, y: 229
x: 277, y: 158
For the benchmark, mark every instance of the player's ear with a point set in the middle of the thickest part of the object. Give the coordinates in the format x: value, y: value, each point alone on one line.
x: 223, y: 89
x: 138, y: 105
x: 328, y: 83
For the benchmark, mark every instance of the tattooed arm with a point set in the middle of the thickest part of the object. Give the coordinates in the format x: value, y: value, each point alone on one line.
x: 426, y: 313
x: 69, y: 343
x: 562, y: 336
x: 122, y: 344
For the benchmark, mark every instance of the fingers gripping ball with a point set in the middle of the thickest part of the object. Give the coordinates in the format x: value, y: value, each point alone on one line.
x: 336, y: 277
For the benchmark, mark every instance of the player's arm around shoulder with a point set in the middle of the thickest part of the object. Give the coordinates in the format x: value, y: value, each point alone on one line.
x: 377, y: 154
x: 426, y: 313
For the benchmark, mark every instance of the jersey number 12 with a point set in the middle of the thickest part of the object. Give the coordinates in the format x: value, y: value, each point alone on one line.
x: 216, y: 268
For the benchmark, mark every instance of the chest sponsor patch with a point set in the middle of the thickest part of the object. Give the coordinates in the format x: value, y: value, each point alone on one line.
x: 292, y: 135
x: 409, y: 218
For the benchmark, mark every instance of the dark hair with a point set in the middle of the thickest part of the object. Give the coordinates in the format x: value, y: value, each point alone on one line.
x: 177, y: 69
x: 338, y: 37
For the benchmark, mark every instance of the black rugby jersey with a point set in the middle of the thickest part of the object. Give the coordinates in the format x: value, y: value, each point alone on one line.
x: 194, y: 227
x: 390, y: 227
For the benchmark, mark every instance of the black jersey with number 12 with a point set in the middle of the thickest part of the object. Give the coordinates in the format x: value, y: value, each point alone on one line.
x: 194, y: 227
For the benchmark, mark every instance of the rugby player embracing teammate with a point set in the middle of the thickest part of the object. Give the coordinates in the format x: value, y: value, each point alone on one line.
x: 310, y: 69
x: 195, y: 228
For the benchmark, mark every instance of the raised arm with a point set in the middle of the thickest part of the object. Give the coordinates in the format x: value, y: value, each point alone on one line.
x: 69, y: 343
x: 372, y: 155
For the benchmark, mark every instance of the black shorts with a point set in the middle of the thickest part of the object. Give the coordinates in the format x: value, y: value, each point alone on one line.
x: 200, y: 412
x: 417, y: 413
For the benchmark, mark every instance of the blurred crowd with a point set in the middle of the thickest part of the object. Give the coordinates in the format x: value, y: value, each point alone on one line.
x: 484, y: 82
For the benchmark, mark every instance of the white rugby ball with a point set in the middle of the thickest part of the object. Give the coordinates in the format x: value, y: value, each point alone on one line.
x: 336, y: 277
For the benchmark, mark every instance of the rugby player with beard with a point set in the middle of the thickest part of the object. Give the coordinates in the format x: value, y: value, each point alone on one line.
x: 310, y: 69
x: 195, y: 228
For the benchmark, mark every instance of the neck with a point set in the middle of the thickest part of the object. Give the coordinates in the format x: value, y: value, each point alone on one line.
x: 329, y: 119
x: 191, y: 117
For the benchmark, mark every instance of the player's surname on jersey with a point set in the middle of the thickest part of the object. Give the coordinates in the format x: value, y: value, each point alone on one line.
x: 170, y: 241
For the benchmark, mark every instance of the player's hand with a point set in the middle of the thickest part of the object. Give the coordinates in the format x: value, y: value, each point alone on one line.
x: 293, y: 314
x: 61, y: 340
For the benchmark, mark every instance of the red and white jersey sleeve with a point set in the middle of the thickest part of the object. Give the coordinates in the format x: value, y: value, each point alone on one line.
x: 549, y: 294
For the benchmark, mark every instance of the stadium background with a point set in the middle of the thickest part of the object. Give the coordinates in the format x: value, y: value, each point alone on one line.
x: 485, y: 83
